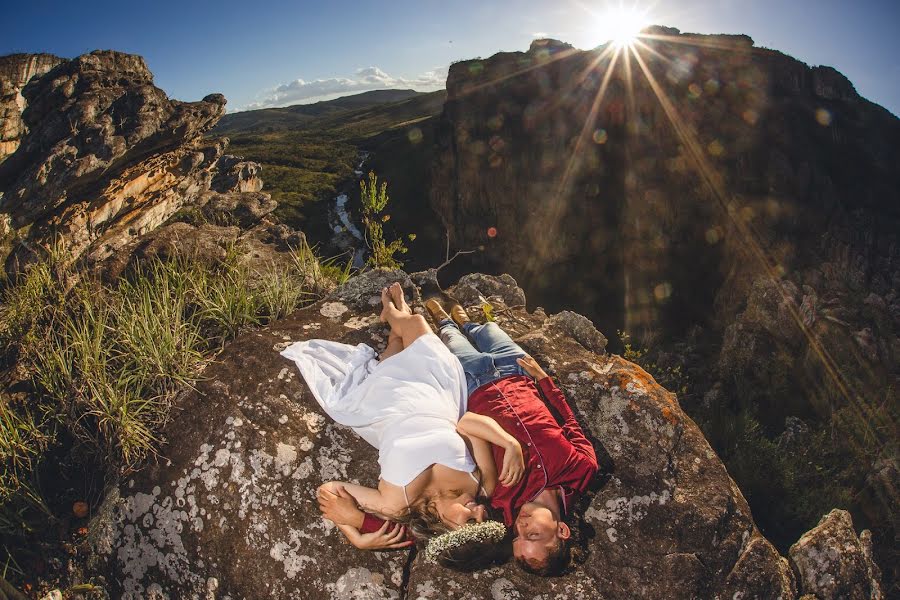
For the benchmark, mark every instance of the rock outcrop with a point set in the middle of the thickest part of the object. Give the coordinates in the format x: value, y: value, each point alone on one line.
x: 230, y: 510
x: 725, y: 205
x: 107, y: 157
x: 16, y: 70
x: 831, y: 562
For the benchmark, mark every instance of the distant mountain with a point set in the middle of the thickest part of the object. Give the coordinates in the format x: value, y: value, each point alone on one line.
x: 307, y: 152
x: 291, y: 117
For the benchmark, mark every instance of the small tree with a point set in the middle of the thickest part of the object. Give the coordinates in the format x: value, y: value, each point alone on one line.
x: 374, y: 201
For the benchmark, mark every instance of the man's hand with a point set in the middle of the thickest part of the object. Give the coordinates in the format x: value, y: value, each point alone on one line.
x: 513, y: 464
x: 531, y: 367
x: 339, y: 506
x: 388, y: 537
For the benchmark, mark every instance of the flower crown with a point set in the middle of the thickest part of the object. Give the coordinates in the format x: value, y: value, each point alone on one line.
x: 487, y: 531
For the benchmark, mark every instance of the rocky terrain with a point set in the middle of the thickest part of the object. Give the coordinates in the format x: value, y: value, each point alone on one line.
x: 103, y: 156
x: 230, y: 510
x: 101, y: 163
x: 726, y: 206
x: 15, y: 72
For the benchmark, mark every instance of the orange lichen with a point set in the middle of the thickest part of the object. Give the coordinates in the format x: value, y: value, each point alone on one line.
x: 669, y: 415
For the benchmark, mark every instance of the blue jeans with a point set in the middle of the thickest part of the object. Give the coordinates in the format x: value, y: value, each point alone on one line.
x: 490, y: 355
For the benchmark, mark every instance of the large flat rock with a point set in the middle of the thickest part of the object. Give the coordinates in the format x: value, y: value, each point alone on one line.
x: 229, y: 511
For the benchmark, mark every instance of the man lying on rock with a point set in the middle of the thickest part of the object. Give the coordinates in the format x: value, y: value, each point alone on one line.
x: 559, y: 462
x: 412, y: 407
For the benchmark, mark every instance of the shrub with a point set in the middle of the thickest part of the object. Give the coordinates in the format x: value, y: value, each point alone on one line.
x: 374, y: 201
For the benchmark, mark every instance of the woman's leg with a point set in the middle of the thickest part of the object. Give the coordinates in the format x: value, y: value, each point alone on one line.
x: 395, y: 341
x: 394, y: 346
x: 406, y: 326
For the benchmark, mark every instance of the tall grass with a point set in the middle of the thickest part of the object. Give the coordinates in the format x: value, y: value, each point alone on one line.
x: 106, y: 362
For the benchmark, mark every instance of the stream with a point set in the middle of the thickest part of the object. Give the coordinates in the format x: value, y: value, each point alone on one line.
x: 348, y: 237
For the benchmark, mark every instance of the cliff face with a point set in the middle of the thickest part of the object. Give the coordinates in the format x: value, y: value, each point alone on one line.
x: 16, y: 70
x: 698, y: 188
x: 106, y: 157
x: 743, y: 162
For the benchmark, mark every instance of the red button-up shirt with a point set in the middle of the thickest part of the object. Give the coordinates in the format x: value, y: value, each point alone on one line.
x: 557, y: 455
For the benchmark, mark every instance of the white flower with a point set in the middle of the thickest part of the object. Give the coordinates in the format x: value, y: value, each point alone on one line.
x: 488, y: 531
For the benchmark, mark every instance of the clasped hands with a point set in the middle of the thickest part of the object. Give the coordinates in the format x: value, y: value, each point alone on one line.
x: 340, y: 507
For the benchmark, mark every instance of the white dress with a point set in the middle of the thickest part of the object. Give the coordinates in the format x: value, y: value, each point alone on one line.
x: 407, y: 405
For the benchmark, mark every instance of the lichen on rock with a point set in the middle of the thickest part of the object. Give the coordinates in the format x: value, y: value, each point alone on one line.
x: 233, y: 498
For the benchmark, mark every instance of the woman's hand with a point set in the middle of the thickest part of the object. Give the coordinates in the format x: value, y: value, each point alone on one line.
x: 339, y: 506
x: 513, y: 464
x: 388, y: 537
x: 531, y: 367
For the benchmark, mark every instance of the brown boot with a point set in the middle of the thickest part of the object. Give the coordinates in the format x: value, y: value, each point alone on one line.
x: 459, y: 315
x: 436, y: 311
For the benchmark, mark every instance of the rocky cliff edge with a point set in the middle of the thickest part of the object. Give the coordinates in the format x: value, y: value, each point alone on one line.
x: 230, y: 511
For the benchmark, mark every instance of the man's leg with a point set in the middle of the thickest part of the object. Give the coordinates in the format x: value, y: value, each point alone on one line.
x: 478, y: 366
x: 491, y: 339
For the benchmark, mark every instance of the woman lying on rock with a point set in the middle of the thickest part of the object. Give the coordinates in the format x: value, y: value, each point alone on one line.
x: 412, y: 407
x: 559, y: 460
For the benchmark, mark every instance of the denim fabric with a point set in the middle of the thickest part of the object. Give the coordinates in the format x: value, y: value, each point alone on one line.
x: 487, y: 354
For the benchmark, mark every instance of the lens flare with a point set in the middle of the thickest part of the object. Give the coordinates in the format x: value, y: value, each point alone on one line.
x: 621, y: 25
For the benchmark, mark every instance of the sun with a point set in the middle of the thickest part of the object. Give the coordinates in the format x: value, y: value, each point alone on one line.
x: 621, y: 25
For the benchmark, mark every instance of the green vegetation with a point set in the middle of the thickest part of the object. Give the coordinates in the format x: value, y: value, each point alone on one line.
x: 298, y: 167
x: 307, y: 152
x: 669, y: 376
x: 374, y: 201
x: 99, y: 366
x: 793, y: 478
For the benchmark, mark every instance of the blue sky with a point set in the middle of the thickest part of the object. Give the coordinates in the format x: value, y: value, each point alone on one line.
x: 269, y: 53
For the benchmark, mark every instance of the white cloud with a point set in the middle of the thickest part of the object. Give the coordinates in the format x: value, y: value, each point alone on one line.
x: 301, y: 91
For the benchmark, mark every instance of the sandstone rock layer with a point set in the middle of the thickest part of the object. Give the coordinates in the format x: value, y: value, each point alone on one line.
x: 103, y: 156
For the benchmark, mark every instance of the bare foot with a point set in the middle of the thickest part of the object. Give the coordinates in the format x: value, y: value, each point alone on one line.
x: 396, y: 292
x: 386, y: 303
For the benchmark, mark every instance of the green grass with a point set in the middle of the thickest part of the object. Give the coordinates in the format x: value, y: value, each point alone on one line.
x: 102, y: 364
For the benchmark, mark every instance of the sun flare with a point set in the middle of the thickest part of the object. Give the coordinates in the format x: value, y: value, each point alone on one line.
x: 621, y: 25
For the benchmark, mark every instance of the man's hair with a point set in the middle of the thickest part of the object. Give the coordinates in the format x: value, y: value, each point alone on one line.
x: 556, y: 564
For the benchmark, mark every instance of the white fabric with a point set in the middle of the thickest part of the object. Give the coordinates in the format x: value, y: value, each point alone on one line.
x: 407, y: 405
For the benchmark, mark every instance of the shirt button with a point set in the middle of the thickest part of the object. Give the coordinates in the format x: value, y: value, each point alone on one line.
x: 540, y: 466
x: 528, y: 444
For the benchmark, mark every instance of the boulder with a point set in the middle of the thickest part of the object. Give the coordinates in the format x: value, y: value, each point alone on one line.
x: 264, y: 247
x: 241, y: 208
x: 229, y: 510
x: 832, y: 562
x: 104, y: 157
